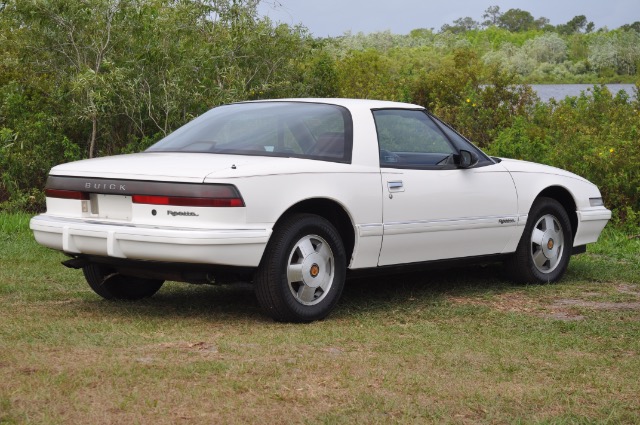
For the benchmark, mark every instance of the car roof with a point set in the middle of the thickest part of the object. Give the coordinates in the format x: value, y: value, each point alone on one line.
x: 349, y: 103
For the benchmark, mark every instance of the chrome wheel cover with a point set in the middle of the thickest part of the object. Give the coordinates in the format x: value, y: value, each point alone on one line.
x: 310, y: 270
x: 547, y: 243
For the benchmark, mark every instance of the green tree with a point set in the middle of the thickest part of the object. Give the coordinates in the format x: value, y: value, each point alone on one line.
x: 517, y: 20
x: 491, y: 16
x: 575, y: 25
x: 98, y: 77
x: 461, y: 25
x: 367, y: 75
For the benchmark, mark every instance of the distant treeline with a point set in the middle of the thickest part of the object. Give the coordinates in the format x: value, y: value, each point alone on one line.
x: 97, y: 77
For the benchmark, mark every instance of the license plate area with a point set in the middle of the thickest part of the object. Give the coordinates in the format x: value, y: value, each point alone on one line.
x: 114, y: 207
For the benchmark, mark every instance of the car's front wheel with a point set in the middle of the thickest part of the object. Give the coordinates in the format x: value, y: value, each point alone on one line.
x: 544, y: 250
x: 114, y: 286
x: 302, y: 273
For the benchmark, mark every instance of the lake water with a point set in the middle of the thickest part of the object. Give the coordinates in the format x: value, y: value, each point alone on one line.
x: 560, y: 91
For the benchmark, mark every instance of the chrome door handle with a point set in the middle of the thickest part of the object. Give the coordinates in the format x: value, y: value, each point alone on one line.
x: 395, y: 186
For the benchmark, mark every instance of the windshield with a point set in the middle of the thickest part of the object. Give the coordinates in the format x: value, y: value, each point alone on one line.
x: 296, y: 129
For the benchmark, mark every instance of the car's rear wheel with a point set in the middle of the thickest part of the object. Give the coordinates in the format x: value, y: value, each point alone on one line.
x: 545, y: 248
x: 302, y: 273
x: 114, y: 286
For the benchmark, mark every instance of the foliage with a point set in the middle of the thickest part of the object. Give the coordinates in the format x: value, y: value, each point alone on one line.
x: 596, y: 135
x: 367, y: 74
x: 476, y: 100
x: 618, y: 51
x: 461, y: 25
x: 100, y: 77
x: 516, y: 20
x: 576, y: 24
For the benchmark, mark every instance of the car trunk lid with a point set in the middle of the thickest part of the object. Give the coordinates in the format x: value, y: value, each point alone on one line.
x: 155, y: 166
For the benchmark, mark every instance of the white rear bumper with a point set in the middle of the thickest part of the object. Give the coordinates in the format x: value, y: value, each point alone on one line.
x: 234, y: 247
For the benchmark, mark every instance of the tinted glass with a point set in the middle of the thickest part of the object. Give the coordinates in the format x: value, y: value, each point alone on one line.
x: 459, y: 141
x: 410, y: 137
x: 409, y: 131
x: 305, y: 130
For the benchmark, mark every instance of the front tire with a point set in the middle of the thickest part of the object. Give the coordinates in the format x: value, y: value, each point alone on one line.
x: 114, y: 286
x: 545, y: 248
x: 302, y: 273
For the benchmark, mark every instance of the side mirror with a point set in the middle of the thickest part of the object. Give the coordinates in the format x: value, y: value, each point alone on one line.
x: 466, y: 159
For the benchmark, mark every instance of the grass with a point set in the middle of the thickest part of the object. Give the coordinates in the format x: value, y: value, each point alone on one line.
x: 460, y: 346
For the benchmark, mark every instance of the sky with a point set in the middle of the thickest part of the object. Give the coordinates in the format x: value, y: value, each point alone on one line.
x: 335, y: 17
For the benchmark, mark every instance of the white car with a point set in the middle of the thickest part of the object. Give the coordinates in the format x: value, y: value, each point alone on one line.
x: 291, y: 194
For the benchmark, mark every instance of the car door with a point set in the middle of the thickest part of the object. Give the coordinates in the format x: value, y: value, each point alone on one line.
x: 432, y: 209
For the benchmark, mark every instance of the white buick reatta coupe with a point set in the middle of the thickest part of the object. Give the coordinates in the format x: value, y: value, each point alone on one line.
x: 294, y: 195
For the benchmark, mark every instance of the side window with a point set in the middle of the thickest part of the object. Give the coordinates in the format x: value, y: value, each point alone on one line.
x: 459, y: 141
x: 409, y: 138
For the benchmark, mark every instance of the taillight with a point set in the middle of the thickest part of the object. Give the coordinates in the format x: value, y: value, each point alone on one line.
x: 145, y: 192
x: 180, y: 201
x: 66, y: 194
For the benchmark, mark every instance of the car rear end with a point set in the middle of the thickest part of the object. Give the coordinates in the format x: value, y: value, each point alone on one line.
x: 167, y: 221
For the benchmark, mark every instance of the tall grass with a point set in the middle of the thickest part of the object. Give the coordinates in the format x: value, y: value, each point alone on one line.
x: 14, y: 223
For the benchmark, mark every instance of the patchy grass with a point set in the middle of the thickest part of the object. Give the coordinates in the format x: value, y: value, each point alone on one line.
x: 460, y: 346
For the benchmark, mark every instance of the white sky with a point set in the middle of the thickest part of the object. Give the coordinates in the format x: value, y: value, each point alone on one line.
x: 335, y: 17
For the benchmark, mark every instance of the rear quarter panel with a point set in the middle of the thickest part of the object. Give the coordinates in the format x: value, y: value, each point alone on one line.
x: 356, y: 189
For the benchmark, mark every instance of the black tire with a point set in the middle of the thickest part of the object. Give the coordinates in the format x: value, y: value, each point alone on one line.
x: 114, y: 286
x: 545, y: 247
x: 302, y: 273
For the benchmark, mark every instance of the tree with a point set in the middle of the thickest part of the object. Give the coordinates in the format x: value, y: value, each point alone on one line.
x: 548, y: 47
x: 491, y: 16
x: 634, y: 26
x: 542, y: 23
x: 516, y: 20
x: 461, y: 25
x: 74, y: 40
x: 367, y: 75
x: 97, y: 77
x: 577, y: 24
x: 615, y: 52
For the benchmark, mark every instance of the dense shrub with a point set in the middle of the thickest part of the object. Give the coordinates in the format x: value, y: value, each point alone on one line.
x: 476, y: 99
x: 100, y: 77
x: 595, y: 135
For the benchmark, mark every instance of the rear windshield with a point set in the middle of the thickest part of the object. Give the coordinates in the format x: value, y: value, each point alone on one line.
x: 296, y: 129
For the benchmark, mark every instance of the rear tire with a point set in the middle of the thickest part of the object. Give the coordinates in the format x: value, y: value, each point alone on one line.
x: 114, y: 286
x: 302, y: 273
x: 545, y: 247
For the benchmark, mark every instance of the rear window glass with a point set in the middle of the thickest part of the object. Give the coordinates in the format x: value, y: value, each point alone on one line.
x: 305, y: 130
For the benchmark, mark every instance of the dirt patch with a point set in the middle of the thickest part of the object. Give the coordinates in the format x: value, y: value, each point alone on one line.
x: 514, y: 302
x: 566, y: 309
x: 628, y: 289
x: 200, y: 346
x: 595, y: 305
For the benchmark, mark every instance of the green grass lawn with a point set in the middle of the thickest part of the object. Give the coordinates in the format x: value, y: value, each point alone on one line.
x: 458, y: 346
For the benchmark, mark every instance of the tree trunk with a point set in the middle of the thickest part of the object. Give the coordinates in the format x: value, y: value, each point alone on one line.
x: 94, y: 131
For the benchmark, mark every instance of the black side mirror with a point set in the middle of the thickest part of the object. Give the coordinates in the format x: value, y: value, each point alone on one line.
x: 466, y: 159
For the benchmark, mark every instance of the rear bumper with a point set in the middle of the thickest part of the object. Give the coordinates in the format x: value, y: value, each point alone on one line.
x: 590, y: 224
x: 233, y: 247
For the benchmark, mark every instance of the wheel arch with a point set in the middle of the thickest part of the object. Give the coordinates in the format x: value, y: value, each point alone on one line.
x: 332, y: 211
x: 565, y: 198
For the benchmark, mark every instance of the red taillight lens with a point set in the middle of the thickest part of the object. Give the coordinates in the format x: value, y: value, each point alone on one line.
x: 157, y: 193
x: 180, y: 201
x: 66, y: 194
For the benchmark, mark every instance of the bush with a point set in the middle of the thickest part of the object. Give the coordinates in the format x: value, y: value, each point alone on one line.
x: 595, y: 135
x: 478, y: 100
